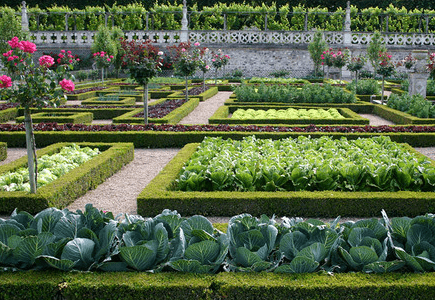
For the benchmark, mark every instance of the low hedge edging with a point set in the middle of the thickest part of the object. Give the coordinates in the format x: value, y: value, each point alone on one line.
x: 168, y: 139
x: 60, y: 117
x: 122, y: 101
x: 400, y: 117
x: 203, y: 96
x: 70, y: 186
x: 159, y: 195
x: 3, y: 151
x: 134, y: 285
x: 98, y: 113
x: 8, y: 114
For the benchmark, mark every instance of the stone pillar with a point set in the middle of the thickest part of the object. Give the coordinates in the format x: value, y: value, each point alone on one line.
x: 347, y: 40
x: 418, y: 75
x: 184, y: 37
x: 24, y: 18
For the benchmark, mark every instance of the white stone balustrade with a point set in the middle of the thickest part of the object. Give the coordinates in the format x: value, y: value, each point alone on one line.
x: 333, y: 38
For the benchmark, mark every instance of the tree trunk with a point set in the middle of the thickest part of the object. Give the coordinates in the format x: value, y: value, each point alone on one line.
x: 203, y: 81
x: 30, y: 145
x: 382, y: 95
x: 102, y: 75
x: 187, y: 89
x: 145, y: 102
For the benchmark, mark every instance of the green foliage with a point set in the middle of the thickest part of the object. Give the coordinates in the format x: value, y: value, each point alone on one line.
x: 278, y: 80
x: 290, y: 94
x: 10, y: 26
x: 3, y: 151
x: 374, y: 48
x: 103, y: 41
x: 365, y: 87
x: 375, y: 164
x: 415, y: 105
x: 316, y: 48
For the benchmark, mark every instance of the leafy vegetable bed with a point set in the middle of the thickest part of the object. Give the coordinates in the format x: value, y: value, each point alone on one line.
x: 94, y: 240
x: 68, y: 187
x: 289, y: 113
x: 375, y: 164
x: 50, y: 168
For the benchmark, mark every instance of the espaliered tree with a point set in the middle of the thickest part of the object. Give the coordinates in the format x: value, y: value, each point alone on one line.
x: 33, y: 85
x: 374, y: 48
x: 316, y: 49
x: 143, y: 60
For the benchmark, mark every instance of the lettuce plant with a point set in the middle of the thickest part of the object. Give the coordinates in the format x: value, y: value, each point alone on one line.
x: 289, y: 113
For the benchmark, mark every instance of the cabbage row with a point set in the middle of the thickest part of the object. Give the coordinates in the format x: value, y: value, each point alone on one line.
x: 308, y: 93
x: 365, y: 164
x: 96, y: 241
x: 289, y: 113
x: 50, y: 167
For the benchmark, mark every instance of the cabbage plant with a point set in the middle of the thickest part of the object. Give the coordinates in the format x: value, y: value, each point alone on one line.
x: 253, y: 244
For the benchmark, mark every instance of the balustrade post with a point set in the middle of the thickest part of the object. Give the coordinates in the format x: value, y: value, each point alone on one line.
x: 347, y: 38
x: 265, y: 21
x: 66, y: 22
x: 146, y: 21
x: 225, y: 21
x: 105, y: 19
x: 386, y: 23
x: 306, y: 22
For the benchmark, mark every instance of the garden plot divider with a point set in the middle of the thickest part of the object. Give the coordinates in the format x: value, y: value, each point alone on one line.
x: 159, y: 194
x: 3, y: 151
x: 103, y: 113
x: 74, y: 117
x: 72, y: 185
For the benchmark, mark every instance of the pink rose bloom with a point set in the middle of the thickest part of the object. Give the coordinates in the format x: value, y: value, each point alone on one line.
x: 227, y: 56
x: 69, y: 52
x: 70, y: 61
x: 333, y: 55
x: 339, y: 52
x: 213, y: 60
x: 111, y: 56
x: 78, y: 59
x: 207, y: 67
x: 101, y: 55
x: 324, y: 52
x: 102, y: 52
x: 183, y: 50
x: 14, y: 42
x: 98, y: 53
x: 27, y: 46
x: 389, y: 56
x: 196, y: 44
x: 10, y: 58
x: 160, y: 53
x: 108, y: 59
x: 59, y: 60
x: 61, y: 55
x: 9, y: 53
x: 67, y: 85
x: 5, y: 81
x: 46, y: 61
x: 62, y: 51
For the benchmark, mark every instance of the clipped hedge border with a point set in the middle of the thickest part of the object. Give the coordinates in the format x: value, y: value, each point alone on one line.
x: 121, y: 101
x: 70, y: 186
x: 400, y: 117
x: 166, y: 139
x: 3, y: 151
x: 69, y: 117
x: 159, y: 195
x: 8, y: 114
x: 173, y: 117
x: 358, y: 107
x: 98, y: 113
x: 134, y: 285
x: 221, y: 116
x: 202, y: 97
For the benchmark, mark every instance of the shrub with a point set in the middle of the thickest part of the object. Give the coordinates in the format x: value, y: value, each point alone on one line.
x: 415, y: 105
x: 365, y: 87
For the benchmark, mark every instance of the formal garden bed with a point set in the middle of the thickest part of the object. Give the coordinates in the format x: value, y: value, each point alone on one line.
x: 3, y: 151
x: 110, y: 99
x: 68, y: 187
x: 276, y: 115
x: 161, y: 193
x: 60, y: 117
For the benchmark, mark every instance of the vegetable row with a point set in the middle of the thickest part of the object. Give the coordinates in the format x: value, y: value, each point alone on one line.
x: 311, y: 93
x: 289, y: 113
x: 94, y: 240
x: 304, y: 163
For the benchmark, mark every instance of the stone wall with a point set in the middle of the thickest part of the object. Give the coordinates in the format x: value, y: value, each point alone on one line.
x: 257, y: 59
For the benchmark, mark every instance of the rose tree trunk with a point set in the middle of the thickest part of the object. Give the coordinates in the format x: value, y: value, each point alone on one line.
x: 30, y: 145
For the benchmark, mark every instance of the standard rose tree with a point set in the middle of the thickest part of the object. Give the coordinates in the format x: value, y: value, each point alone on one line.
x: 33, y: 85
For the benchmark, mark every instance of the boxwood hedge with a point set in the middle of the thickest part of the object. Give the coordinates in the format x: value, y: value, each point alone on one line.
x: 3, y: 151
